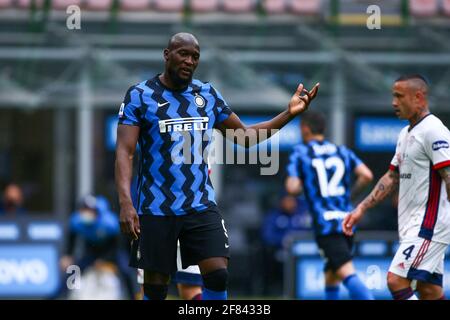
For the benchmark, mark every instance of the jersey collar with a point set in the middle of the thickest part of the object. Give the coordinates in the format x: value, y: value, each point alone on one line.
x: 412, y: 127
x: 156, y: 78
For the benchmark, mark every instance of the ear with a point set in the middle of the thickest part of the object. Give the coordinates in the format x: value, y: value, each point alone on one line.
x: 166, y: 54
x: 420, y: 96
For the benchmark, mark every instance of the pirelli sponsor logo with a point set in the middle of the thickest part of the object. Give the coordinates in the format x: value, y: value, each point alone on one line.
x: 183, y: 124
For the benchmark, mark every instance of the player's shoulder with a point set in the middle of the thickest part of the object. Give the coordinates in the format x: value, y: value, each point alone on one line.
x: 200, y: 83
x: 140, y: 87
x: 434, y: 123
x: 342, y: 148
x: 204, y: 87
x: 300, y: 149
x: 146, y: 85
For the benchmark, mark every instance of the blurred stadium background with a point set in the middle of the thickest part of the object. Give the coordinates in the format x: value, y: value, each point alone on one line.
x: 60, y: 91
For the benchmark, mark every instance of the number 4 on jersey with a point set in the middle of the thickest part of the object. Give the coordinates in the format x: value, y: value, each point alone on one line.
x: 407, y: 252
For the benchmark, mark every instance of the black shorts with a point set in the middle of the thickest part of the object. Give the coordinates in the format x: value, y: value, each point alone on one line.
x: 202, y: 235
x: 336, y: 250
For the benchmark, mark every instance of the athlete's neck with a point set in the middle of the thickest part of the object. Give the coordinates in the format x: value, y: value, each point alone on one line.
x: 417, y: 117
x: 314, y: 137
x: 169, y: 83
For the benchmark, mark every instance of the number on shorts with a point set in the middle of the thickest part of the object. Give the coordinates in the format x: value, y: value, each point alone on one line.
x: 407, y: 252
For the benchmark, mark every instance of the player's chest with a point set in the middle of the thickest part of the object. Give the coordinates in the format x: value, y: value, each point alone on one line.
x: 411, y: 151
x: 179, y: 113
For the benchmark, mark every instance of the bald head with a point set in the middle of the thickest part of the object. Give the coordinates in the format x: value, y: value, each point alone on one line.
x: 181, y: 39
x: 181, y: 56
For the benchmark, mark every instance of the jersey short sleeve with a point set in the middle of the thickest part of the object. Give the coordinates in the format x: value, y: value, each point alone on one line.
x: 130, y: 109
x: 437, y: 146
x: 393, y: 166
x: 224, y: 110
x: 294, y: 161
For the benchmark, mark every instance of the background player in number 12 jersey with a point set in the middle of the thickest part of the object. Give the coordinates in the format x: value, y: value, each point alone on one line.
x: 323, y: 171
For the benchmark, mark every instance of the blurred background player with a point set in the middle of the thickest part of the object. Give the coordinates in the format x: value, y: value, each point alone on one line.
x: 420, y: 171
x: 323, y: 171
x: 12, y: 200
x: 94, y: 241
x: 290, y: 216
x: 173, y: 204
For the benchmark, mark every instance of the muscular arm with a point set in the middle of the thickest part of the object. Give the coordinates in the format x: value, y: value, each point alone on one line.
x: 387, y: 185
x: 247, y: 136
x: 445, y: 175
x: 126, y: 145
x: 127, y: 137
x: 234, y: 130
x: 363, y: 177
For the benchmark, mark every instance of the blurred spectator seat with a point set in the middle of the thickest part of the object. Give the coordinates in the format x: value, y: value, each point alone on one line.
x: 100, y: 5
x: 168, y: 5
x: 5, y: 4
x: 28, y: 3
x: 204, y: 5
x: 238, y: 6
x: 274, y: 6
x: 134, y: 5
x: 63, y: 4
x: 309, y: 7
x: 446, y: 7
x: 423, y: 8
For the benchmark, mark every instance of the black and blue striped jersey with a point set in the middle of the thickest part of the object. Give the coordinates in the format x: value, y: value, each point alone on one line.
x: 171, y: 180
x: 325, y: 170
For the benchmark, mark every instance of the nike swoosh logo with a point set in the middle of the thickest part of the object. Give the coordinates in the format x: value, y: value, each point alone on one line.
x: 162, y: 104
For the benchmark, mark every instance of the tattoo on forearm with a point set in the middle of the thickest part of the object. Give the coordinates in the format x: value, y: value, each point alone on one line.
x: 385, y: 186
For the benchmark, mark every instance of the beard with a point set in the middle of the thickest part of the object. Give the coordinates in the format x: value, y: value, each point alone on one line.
x: 177, y: 80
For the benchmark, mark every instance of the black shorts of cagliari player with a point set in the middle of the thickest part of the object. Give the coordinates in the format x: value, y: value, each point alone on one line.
x: 202, y: 235
x: 336, y: 249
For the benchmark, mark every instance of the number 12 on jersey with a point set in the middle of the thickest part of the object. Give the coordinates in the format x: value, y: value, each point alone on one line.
x: 332, y: 187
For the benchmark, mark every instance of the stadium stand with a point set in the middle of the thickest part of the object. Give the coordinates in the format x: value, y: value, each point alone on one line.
x: 168, y: 5
x: 98, y: 5
x: 423, y: 8
x: 199, y: 6
x: 5, y: 3
x: 274, y: 6
x: 63, y: 4
x: 306, y: 7
x: 446, y: 7
x: 238, y: 6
